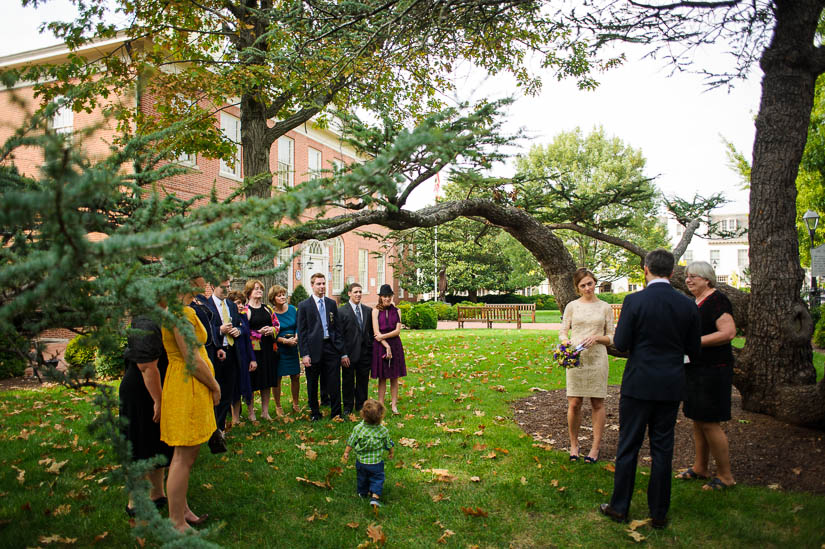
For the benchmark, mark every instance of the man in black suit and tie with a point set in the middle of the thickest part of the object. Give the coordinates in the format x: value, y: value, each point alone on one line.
x: 356, y: 327
x: 226, y: 322
x: 658, y: 327
x: 321, y: 346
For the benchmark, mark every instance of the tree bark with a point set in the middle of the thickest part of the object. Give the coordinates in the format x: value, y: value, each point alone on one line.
x: 256, y: 146
x: 775, y: 372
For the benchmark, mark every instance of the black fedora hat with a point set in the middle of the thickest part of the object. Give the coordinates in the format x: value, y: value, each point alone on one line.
x: 385, y: 290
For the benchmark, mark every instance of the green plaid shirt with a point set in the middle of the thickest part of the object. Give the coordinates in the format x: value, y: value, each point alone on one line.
x: 369, y: 441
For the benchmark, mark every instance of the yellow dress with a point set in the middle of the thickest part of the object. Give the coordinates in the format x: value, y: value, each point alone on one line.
x: 187, y: 417
x: 581, y: 320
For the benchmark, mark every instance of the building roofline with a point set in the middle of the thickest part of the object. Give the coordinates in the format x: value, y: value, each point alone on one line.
x: 59, y: 51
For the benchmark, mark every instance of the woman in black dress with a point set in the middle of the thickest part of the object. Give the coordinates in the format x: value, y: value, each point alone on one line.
x: 140, y: 399
x: 263, y: 326
x: 707, y: 396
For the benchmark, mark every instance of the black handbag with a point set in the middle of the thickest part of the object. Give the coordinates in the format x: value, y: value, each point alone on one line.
x: 217, y: 442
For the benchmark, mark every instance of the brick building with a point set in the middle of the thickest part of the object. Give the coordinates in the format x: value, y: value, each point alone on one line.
x: 295, y: 157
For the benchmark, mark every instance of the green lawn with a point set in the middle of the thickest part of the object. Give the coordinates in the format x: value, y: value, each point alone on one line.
x: 462, y: 450
x: 547, y: 316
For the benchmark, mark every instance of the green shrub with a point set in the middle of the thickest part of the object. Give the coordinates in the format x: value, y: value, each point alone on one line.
x: 404, y: 307
x: 298, y: 295
x: 80, y: 351
x: 109, y: 363
x: 612, y: 298
x: 420, y: 317
x: 546, y: 302
x: 11, y: 363
x: 444, y: 311
x: 344, y: 296
x: 819, y: 331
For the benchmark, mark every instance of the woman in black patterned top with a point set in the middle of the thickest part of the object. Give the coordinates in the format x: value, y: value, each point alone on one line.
x: 707, y: 394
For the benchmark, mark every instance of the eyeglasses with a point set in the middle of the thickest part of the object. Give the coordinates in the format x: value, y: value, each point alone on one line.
x: 691, y: 277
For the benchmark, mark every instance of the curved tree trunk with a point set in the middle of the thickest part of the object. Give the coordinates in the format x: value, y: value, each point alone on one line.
x: 775, y: 372
x: 256, y: 146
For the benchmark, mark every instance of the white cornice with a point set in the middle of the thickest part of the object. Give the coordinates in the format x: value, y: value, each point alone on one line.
x: 59, y: 51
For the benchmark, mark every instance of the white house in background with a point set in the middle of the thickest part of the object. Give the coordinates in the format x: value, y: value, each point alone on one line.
x: 728, y: 255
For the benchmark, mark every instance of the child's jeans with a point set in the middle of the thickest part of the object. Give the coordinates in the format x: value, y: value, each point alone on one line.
x: 370, y: 478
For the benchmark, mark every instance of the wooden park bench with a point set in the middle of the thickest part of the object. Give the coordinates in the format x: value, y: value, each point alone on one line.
x: 522, y: 308
x: 488, y: 314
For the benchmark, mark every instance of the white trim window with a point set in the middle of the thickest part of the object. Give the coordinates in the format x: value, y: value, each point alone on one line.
x: 338, y: 165
x: 313, y: 163
x: 363, y: 269
x: 742, y: 257
x: 714, y: 258
x: 187, y: 159
x: 63, y: 118
x: 337, y: 265
x: 688, y: 257
x: 286, y: 162
x: 231, y: 130
x: 381, y: 270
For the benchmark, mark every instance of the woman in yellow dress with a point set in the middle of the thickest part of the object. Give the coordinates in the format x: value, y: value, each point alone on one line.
x: 187, y: 417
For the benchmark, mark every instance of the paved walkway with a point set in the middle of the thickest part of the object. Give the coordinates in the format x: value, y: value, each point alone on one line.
x: 453, y: 325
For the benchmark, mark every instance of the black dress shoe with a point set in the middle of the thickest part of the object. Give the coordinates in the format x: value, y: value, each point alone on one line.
x: 658, y: 524
x: 608, y: 511
x: 315, y: 417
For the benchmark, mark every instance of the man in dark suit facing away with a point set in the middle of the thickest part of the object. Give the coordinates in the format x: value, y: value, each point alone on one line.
x: 321, y: 346
x: 356, y: 327
x: 658, y: 327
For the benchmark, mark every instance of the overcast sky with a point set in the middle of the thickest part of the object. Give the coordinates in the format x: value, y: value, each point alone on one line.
x: 674, y: 120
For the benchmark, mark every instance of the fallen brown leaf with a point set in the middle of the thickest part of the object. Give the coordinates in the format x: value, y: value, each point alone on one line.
x: 101, y: 537
x: 475, y: 479
x: 311, y: 454
x: 352, y: 525
x: 477, y: 512
x: 636, y: 536
x: 445, y: 535
x: 376, y: 533
x: 609, y: 467
x: 637, y: 523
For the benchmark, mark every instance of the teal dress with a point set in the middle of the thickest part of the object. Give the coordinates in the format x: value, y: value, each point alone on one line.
x: 288, y: 363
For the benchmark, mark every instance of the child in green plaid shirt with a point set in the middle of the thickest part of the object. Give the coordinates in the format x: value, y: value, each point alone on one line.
x: 370, y: 438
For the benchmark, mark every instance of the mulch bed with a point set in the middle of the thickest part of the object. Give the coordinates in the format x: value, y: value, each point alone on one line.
x: 764, y: 451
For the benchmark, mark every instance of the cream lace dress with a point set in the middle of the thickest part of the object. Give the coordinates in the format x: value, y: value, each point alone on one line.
x: 582, y: 319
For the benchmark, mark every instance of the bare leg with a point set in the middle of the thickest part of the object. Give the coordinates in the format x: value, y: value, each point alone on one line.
x: 236, y: 413
x: 295, y: 386
x: 394, y: 394
x: 178, y: 484
x: 701, y: 461
x: 382, y: 389
x: 717, y: 442
x: 251, y: 409
x: 574, y: 421
x: 599, y: 418
x: 156, y: 490
x: 265, y: 404
x: 276, y: 395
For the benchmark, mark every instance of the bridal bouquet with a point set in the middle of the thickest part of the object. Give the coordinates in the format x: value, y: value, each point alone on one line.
x: 568, y: 356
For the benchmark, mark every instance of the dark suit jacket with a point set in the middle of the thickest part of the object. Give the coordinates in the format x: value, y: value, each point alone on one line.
x: 205, y: 315
x: 217, y: 321
x: 357, y: 342
x: 311, y: 331
x: 658, y: 326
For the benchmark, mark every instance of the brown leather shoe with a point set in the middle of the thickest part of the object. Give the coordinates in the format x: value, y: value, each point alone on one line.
x: 614, y: 515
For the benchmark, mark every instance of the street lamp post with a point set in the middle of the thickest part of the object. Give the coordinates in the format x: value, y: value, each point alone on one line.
x: 811, y: 219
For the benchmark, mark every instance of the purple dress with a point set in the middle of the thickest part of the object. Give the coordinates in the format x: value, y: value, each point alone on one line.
x: 382, y: 368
